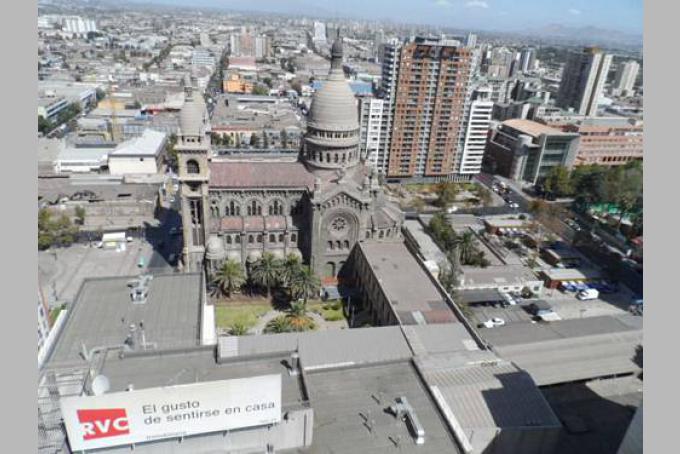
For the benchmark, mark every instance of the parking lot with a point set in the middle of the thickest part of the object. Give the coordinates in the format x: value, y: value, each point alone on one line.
x: 566, y: 305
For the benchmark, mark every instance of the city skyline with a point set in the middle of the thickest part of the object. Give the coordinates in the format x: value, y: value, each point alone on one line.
x: 489, y: 15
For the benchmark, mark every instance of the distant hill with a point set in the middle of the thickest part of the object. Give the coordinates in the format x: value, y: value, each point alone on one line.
x: 586, y: 35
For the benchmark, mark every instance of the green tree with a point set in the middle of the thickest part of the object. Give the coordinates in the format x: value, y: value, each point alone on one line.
x: 484, y: 196
x: 267, y: 271
x: 267, y: 81
x: 466, y: 246
x: 290, y: 269
x: 230, y: 277
x: 260, y: 90
x: 80, y: 215
x: 304, y: 283
x: 298, y: 319
x: 557, y: 181
x: 44, y: 125
x: 446, y: 193
x: 170, y: 150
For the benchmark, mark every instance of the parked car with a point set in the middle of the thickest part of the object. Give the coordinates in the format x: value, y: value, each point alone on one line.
x: 492, y: 323
x: 588, y: 294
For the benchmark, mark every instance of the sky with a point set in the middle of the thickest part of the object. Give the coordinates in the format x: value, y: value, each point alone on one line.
x: 492, y: 15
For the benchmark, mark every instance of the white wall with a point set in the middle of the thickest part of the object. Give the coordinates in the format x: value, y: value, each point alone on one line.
x: 123, y: 165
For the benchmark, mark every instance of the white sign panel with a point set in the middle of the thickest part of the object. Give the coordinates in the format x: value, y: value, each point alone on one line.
x: 153, y: 414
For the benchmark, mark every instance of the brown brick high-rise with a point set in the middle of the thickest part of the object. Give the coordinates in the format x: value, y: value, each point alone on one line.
x: 428, y: 128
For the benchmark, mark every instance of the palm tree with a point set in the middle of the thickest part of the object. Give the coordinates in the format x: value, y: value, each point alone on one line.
x: 230, y: 277
x: 266, y: 272
x: 466, y: 247
x: 305, y: 283
x: 290, y: 268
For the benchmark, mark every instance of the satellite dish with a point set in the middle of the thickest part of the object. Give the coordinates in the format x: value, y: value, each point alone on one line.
x: 100, y: 385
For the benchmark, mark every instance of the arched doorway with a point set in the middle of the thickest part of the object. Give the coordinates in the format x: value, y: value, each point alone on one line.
x: 329, y: 269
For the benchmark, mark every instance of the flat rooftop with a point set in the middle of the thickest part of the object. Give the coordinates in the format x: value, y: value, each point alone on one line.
x: 500, y: 276
x: 53, y: 189
x: 340, y: 397
x: 102, y: 312
x: 571, y: 350
x: 427, y: 247
x: 156, y: 369
x: 406, y: 284
x: 475, y: 388
x: 532, y: 128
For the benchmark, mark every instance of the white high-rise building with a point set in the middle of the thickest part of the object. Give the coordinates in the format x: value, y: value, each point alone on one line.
x: 77, y: 25
x: 471, y: 40
x: 625, y: 77
x: 390, y: 54
x: 477, y: 131
x: 583, y: 79
x: 527, y: 59
x: 370, y: 124
x: 262, y: 46
x: 319, y: 32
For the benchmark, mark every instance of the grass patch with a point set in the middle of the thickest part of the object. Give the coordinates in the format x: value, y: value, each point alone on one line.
x: 331, y: 312
x: 228, y: 315
x: 54, y: 313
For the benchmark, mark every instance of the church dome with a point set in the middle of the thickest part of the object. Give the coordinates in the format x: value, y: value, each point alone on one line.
x: 332, y: 137
x: 334, y: 107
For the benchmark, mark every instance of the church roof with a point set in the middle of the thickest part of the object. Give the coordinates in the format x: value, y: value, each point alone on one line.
x: 260, y: 175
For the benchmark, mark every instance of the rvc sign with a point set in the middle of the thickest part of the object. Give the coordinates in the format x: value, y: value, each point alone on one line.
x: 125, y: 418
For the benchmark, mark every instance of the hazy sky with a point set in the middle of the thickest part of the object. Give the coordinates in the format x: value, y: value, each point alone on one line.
x: 501, y: 15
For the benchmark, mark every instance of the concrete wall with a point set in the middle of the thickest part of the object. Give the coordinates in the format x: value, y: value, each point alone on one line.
x: 126, y: 165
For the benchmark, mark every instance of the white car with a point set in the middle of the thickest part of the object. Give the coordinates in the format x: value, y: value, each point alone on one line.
x: 493, y: 322
x: 513, y: 205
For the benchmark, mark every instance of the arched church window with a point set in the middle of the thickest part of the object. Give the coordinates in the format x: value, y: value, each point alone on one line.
x: 281, y: 237
x: 192, y: 166
x: 338, y: 244
x: 330, y: 245
x: 346, y: 244
x: 335, y: 158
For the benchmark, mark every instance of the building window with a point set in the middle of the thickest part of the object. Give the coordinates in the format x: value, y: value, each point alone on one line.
x: 251, y: 239
x: 330, y: 245
x: 237, y: 239
x: 254, y: 209
x: 346, y: 244
x: 293, y: 238
x: 276, y: 208
x: 272, y: 238
x: 233, y: 209
x: 280, y: 237
x: 192, y: 166
x: 228, y: 239
x: 259, y: 238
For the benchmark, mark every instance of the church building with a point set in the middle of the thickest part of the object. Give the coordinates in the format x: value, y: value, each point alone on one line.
x: 317, y: 207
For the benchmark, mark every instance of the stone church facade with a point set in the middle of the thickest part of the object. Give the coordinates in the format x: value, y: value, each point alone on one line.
x: 317, y: 207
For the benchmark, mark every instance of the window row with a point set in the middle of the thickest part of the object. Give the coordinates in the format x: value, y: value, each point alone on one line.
x: 253, y: 238
x: 252, y: 208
